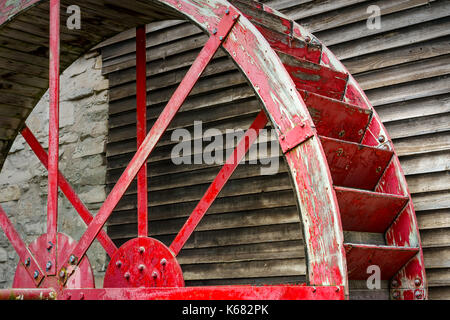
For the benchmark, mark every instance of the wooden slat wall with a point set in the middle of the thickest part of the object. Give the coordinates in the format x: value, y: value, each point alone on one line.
x: 252, y: 233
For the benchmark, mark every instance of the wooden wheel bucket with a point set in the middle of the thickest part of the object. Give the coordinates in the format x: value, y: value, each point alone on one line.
x: 342, y: 163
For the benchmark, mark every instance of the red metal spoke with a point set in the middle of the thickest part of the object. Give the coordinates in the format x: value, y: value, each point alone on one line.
x: 141, y: 123
x: 219, y: 182
x: 26, y: 257
x: 53, y: 137
x: 68, y: 191
x: 154, y: 135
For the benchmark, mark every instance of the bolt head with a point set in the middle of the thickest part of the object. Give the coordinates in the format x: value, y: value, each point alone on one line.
x: 418, y: 295
x: 396, y: 295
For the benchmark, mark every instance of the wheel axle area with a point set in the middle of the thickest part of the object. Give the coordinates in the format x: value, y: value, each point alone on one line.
x: 80, y: 276
x: 143, y: 262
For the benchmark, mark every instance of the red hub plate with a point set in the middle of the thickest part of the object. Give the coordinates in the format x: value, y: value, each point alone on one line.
x: 143, y: 262
x: 82, y: 277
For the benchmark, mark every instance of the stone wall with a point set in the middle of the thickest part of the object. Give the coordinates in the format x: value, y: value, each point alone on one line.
x: 83, y: 135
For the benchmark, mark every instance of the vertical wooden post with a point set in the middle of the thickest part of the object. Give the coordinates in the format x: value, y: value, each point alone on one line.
x: 53, y: 137
x: 141, y: 117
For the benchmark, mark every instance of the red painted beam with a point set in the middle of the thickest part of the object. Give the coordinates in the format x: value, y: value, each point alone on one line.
x: 30, y: 263
x: 281, y: 292
x: 68, y: 191
x: 141, y: 123
x: 158, y: 129
x: 219, y: 182
x: 53, y: 136
x: 27, y: 294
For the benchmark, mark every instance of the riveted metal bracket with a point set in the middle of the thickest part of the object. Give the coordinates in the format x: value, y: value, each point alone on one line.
x: 296, y: 136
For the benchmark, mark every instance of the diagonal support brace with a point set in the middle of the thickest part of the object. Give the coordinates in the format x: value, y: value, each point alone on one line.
x: 68, y: 191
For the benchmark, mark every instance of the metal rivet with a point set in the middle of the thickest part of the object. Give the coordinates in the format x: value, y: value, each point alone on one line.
x: 381, y: 139
x: 81, y: 296
x: 308, y: 39
x: 48, y: 266
x: 49, y: 246
x: 214, y: 31
x: 52, y: 295
x: 417, y: 282
x: 36, y: 274
x: 396, y: 294
x: 314, y: 289
x: 378, y: 169
x: 119, y: 264
x: 141, y: 267
x: 338, y: 289
x: 418, y: 295
x: 127, y: 275
x: 28, y: 262
x: 235, y: 17
x: 62, y: 274
x: 155, y: 274
x: 141, y: 250
x: 163, y: 261
x: 227, y: 11
x: 72, y: 259
x: 220, y: 38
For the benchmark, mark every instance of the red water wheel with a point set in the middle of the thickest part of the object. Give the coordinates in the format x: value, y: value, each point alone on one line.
x: 341, y: 160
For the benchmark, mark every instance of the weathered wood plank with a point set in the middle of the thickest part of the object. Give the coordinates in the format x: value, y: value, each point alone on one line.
x: 427, y: 106
x: 394, y: 39
x: 392, y: 57
x: 423, y: 144
x: 434, y: 219
x: 395, y: 21
x: 407, y: 72
x: 358, y: 12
